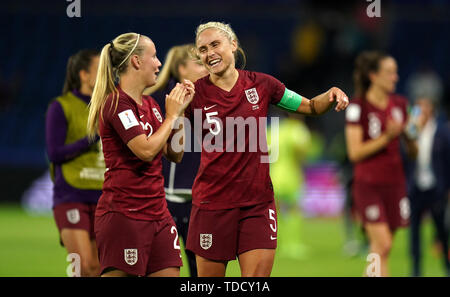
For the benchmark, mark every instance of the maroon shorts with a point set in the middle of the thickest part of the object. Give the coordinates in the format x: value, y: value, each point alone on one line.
x: 377, y: 204
x: 75, y: 216
x: 136, y: 247
x: 221, y: 235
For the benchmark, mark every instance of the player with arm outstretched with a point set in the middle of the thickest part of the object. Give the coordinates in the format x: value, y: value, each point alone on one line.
x: 233, y: 213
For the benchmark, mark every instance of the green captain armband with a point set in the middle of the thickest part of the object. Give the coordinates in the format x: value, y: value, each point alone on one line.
x: 290, y: 100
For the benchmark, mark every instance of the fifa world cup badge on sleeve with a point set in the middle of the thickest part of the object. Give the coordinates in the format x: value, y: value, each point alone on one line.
x: 128, y: 119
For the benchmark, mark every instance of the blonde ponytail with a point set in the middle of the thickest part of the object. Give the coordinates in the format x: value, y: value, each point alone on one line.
x: 114, y: 60
x: 104, y: 85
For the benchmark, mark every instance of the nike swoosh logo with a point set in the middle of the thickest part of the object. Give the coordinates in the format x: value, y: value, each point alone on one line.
x: 208, y: 108
x: 141, y: 116
x: 273, y: 237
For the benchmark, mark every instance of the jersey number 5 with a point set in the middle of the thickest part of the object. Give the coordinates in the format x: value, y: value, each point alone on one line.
x: 214, y: 121
x: 272, y: 217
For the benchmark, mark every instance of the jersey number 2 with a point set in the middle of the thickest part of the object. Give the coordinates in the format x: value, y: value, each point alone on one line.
x: 175, y: 242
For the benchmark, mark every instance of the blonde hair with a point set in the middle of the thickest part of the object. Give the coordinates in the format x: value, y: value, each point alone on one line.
x: 114, y: 59
x: 176, y: 56
x: 228, y: 32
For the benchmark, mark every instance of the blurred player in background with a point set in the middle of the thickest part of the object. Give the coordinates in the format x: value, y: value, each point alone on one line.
x: 375, y: 120
x: 180, y: 64
x: 429, y: 180
x: 233, y: 212
x: 356, y: 242
x: 288, y: 182
x: 135, y: 232
x: 77, y: 164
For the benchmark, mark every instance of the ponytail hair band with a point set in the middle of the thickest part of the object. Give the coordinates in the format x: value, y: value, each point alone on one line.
x: 132, y: 50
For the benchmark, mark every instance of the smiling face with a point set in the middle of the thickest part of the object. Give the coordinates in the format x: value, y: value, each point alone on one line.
x: 216, y: 51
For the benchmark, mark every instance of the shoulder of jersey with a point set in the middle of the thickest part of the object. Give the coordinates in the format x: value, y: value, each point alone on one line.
x: 124, y: 100
x: 353, y: 111
x: 122, y: 95
x: 201, y: 81
x: 399, y: 98
x: 356, y: 100
x: 200, y: 84
x: 149, y: 99
x: 252, y: 75
x: 109, y: 101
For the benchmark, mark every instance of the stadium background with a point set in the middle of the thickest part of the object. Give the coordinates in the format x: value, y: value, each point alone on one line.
x: 308, y: 45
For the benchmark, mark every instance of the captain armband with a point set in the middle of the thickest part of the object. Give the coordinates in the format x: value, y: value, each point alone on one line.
x: 290, y: 100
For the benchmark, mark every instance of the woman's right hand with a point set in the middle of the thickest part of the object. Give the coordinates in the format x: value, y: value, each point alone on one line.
x: 190, y: 92
x: 175, y: 101
x: 393, y: 128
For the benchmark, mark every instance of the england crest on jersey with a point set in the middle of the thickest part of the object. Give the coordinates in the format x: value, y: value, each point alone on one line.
x: 205, y: 241
x: 397, y: 114
x: 157, y: 114
x: 73, y: 215
x: 252, y: 95
x: 372, y: 212
x: 131, y: 256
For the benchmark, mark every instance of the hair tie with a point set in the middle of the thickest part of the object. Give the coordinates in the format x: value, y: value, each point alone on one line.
x: 111, y: 47
x: 129, y: 54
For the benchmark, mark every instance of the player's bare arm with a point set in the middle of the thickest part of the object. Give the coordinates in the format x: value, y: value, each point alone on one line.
x: 146, y: 148
x: 324, y: 102
x: 359, y: 150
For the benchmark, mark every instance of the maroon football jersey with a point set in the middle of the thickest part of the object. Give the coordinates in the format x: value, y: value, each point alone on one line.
x: 233, y: 131
x: 132, y: 187
x: 385, y: 166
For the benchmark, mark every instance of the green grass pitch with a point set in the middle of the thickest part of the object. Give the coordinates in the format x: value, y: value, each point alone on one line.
x: 29, y: 246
